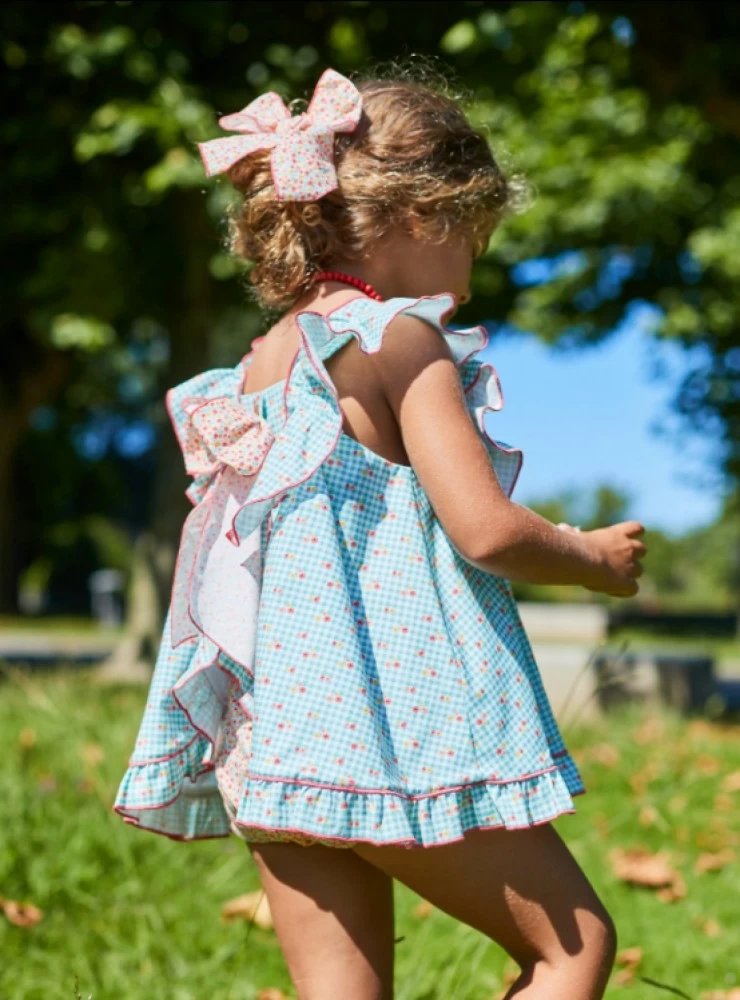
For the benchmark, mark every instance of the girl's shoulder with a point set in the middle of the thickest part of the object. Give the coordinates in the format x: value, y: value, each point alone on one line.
x: 369, y: 321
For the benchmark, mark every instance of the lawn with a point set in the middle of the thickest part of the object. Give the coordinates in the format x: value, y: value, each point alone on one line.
x: 128, y: 915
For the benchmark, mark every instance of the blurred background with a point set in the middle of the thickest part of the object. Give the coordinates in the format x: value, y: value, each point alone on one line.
x: 613, y: 307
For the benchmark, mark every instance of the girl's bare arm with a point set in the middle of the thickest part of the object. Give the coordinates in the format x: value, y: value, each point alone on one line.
x: 422, y: 385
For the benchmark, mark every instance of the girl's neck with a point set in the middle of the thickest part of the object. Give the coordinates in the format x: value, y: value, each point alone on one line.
x: 401, y: 266
x: 391, y: 267
x: 373, y: 272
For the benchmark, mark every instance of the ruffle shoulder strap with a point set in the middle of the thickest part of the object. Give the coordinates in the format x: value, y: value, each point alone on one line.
x: 369, y: 321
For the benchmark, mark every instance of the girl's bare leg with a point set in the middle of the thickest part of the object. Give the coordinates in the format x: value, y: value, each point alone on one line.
x: 523, y: 889
x: 333, y: 916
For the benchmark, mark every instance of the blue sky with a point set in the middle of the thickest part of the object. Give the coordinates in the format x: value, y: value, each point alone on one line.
x: 588, y: 417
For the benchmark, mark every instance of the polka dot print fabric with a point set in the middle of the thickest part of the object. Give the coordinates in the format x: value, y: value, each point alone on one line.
x: 333, y: 670
x: 302, y: 158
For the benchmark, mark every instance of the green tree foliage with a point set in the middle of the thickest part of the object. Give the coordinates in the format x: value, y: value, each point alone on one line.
x: 116, y: 282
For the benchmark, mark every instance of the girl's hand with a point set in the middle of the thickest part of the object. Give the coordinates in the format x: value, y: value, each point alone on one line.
x: 616, y: 554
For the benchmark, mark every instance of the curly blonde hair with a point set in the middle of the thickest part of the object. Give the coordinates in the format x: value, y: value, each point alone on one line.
x: 414, y: 160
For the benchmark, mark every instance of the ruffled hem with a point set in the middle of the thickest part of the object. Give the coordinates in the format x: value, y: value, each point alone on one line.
x: 284, y: 807
x: 391, y: 818
x: 177, y: 794
x: 177, y: 797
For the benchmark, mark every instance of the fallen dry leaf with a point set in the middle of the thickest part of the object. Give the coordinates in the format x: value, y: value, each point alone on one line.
x: 714, y: 862
x: 21, y: 914
x: 673, y: 892
x: 606, y: 754
x: 423, y: 909
x: 649, y: 731
x: 93, y: 754
x: 700, y: 729
x: 251, y: 906
x: 723, y: 802
x: 641, y: 779
x: 511, y: 974
x: 624, y: 976
x: 710, y: 927
x: 732, y: 782
x: 629, y: 959
x: 639, y: 866
x: 706, y: 764
x: 733, y: 994
x: 716, y: 839
x: 648, y: 816
x: 630, y: 956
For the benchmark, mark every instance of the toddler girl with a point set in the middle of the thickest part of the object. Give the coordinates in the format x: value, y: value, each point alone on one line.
x: 344, y: 680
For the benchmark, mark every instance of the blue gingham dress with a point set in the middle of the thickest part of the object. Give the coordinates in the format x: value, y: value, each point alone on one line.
x: 331, y: 669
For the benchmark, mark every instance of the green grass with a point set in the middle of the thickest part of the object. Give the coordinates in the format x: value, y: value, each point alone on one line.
x: 132, y: 916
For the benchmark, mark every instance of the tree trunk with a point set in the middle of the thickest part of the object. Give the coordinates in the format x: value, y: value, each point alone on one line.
x: 132, y: 657
x: 9, y: 562
x: 24, y: 392
x: 156, y: 549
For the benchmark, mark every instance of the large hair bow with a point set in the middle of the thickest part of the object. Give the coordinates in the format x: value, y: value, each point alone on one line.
x: 302, y: 158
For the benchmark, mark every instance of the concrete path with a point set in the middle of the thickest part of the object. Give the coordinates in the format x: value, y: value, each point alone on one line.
x: 569, y: 679
x: 48, y: 648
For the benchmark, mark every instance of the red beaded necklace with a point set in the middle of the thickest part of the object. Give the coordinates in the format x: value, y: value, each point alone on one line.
x: 349, y: 279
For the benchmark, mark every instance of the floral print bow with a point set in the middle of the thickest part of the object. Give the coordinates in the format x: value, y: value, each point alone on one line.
x: 302, y: 158
x: 222, y: 433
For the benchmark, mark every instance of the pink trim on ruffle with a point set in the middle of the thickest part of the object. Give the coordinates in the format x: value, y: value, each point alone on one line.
x: 186, y: 711
x: 161, y: 760
x: 181, y: 838
x: 298, y: 482
x: 487, y: 366
x: 306, y: 345
x: 284, y: 381
x: 178, y: 435
x: 408, y: 844
x: 205, y: 506
x: 411, y: 844
x: 447, y: 790
x: 507, y: 451
x: 469, y: 332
